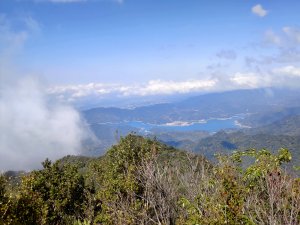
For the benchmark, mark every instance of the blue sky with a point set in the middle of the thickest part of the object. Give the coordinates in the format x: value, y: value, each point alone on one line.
x: 148, y: 47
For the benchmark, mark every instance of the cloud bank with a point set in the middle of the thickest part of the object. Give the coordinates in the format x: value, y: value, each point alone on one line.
x: 32, y: 127
x: 279, y: 77
x: 290, y: 71
x: 151, y: 88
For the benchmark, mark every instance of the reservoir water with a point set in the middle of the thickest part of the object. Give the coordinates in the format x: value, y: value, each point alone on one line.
x: 211, y: 125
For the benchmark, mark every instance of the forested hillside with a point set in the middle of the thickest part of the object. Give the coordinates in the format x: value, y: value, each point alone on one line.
x: 283, y: 132
x: 141, y: 181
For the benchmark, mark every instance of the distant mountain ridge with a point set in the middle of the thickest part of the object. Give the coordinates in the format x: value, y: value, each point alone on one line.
x: 274, y: 115
x: 270, y: 116
x: 216, y: 105
x: 289, y: 125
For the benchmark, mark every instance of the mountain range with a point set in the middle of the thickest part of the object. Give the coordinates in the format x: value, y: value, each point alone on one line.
x: 214, y: 105
x: 272, y: 118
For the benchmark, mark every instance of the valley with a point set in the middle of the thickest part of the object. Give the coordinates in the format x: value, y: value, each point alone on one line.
x: 208, y: 124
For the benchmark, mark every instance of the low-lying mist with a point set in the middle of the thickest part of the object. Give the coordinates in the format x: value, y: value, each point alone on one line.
x: 33, y: 128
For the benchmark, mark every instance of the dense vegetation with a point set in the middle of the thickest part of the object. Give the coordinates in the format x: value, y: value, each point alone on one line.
x: 141, y: 181
x: 281, y: 133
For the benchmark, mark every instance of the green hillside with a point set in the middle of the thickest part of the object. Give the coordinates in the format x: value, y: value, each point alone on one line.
x: 142, y: 181
x: 289, y: 125
x: 284, y: 132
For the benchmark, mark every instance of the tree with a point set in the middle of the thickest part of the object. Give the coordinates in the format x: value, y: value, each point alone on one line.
x: 53, y: 195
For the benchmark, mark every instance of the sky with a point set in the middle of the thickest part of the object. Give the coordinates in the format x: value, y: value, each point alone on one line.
x: 121, y: 48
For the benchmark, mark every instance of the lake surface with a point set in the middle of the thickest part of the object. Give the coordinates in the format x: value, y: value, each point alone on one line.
x: 211, y: 125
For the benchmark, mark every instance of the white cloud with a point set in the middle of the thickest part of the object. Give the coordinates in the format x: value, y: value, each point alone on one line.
x: 78, y: 1
x: 289, y: 37
x: 10, y: 41
x: 293, y: 33
x: 153, y: 87
x: 31, y: 24
x: 227, y: 54
x: 278, y: 48
x: 156, y: 87
x: 31, y: 127
x: 259, y: 10
x: 290, y: 71
x: 79, y: 94
x: 250, y: 80
x: 73, y: 92
x: 272, y: 38
x: 14, y: 34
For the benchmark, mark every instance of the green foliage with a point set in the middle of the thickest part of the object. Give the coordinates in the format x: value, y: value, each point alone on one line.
x: 3, y: 199
x: 53, y: 195
x: 119, y: 178
x: 140, y: 181
x: 243, y: 141
x: 2, y: 187
x: 264, y: 164
x: 234, y: 194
